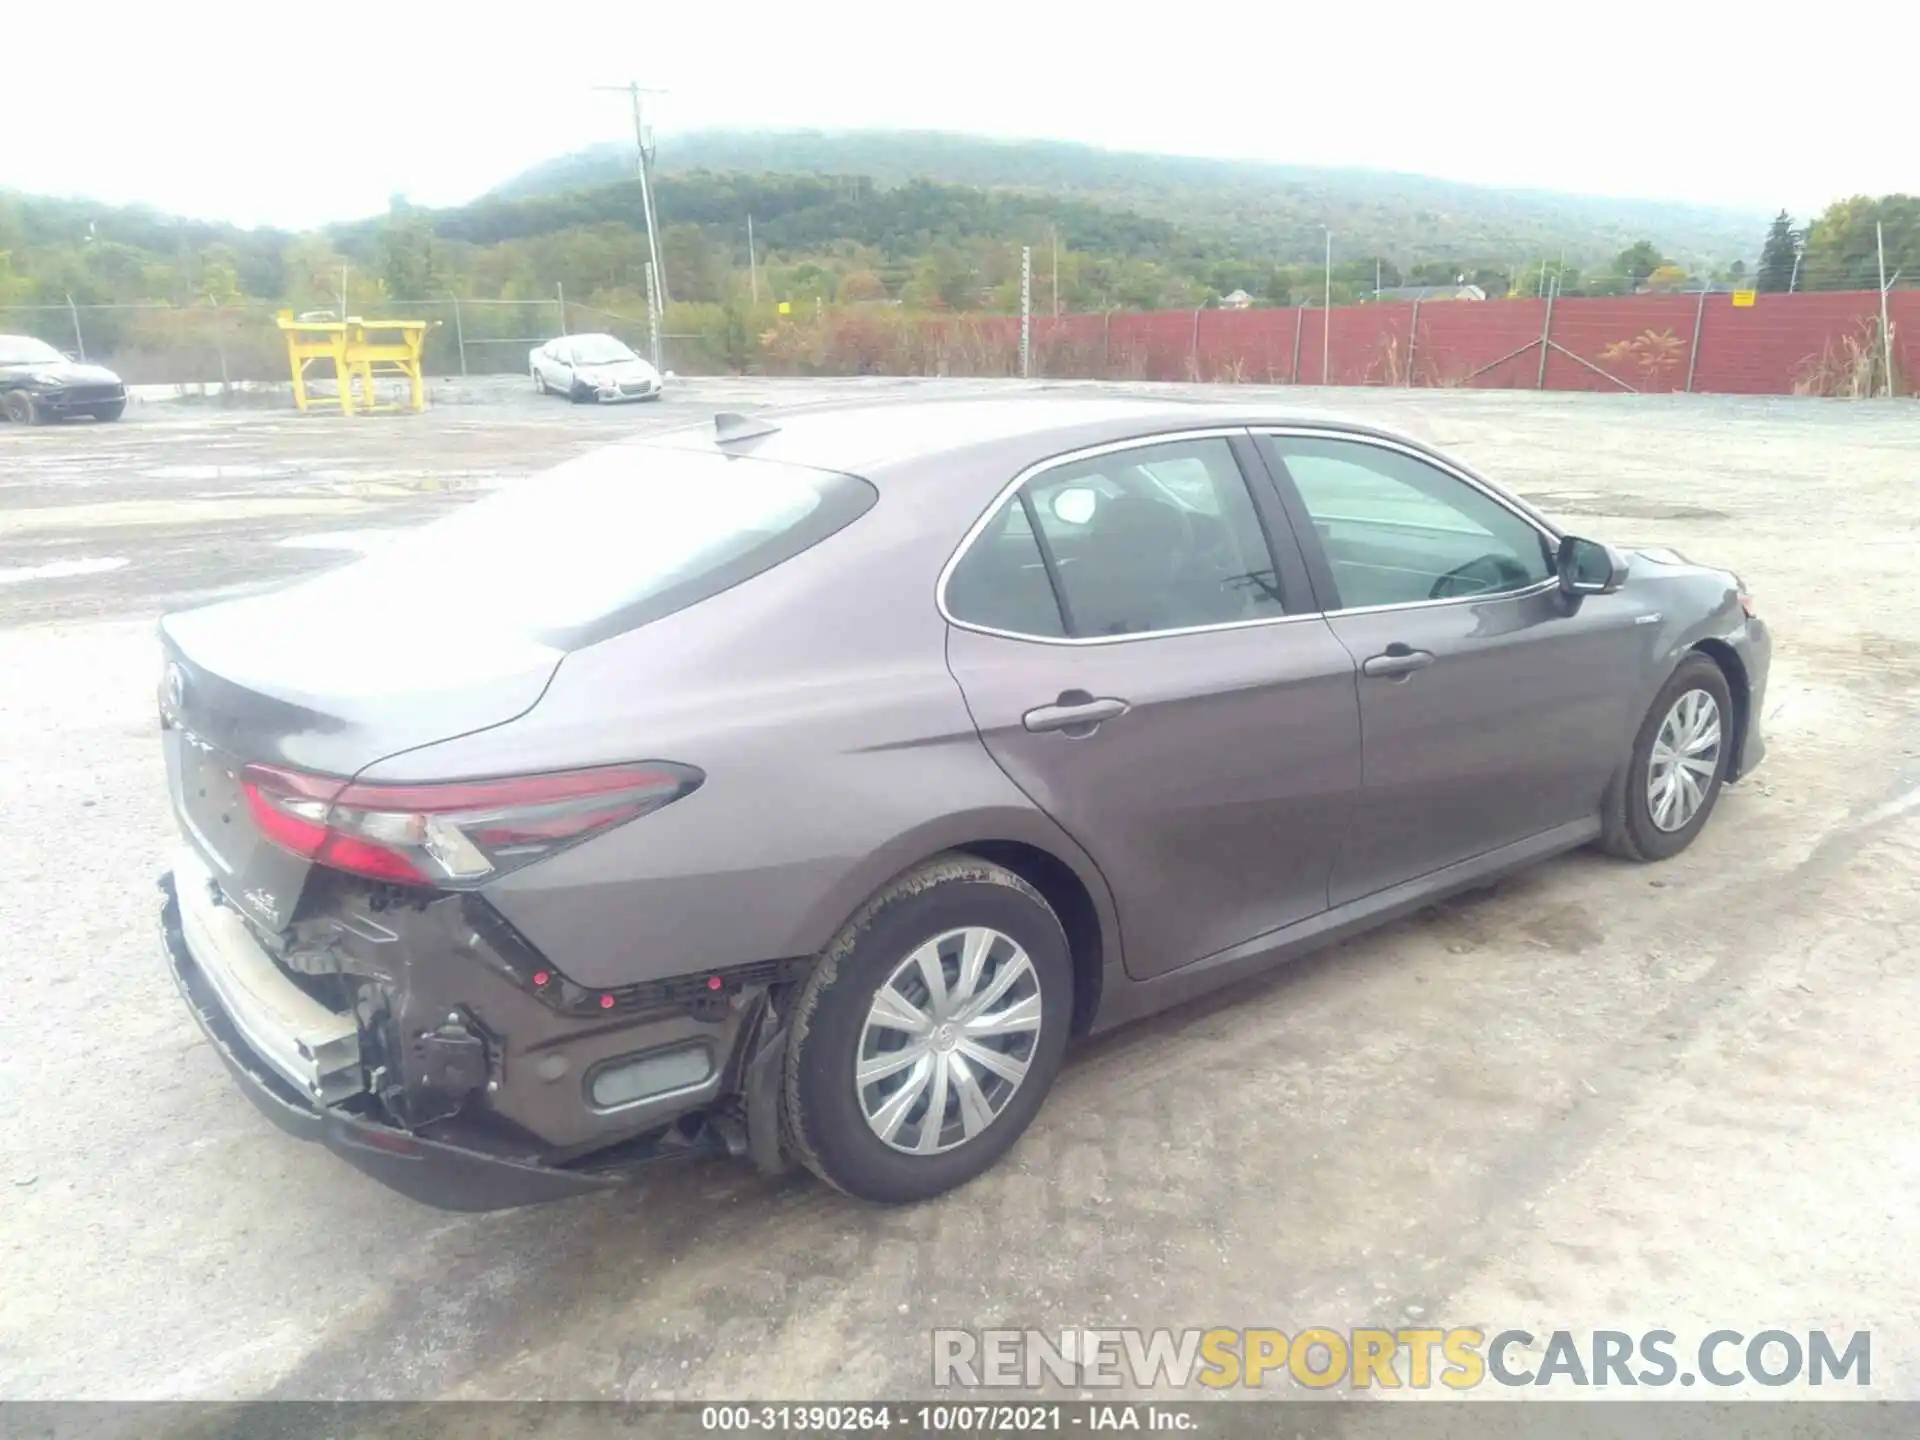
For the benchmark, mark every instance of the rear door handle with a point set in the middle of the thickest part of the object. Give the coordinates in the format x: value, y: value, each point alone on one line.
x: 1399, y: 662
x: 1075, y: 712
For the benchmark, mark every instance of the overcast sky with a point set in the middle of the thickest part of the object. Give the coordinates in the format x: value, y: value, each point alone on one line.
x: 265, y: 113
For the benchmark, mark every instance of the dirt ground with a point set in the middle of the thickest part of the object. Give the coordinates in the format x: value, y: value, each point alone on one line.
x: 1600, y: 1096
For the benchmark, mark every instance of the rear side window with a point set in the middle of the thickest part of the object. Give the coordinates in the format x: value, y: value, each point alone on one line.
x: 1001, y: 582
x: 1132, y: 542
x: 604, y: 544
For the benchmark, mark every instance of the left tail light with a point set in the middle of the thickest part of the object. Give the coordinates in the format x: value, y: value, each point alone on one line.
x: 454, y: 835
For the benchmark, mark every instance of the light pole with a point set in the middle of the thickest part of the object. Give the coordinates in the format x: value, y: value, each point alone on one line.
x: 1326, y: 315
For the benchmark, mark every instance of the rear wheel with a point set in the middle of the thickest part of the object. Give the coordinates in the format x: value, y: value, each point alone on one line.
x: 1661, y: 800
x: 112, y: 410
x: 539, y: 384
x: 21, y: 408
x: 927, y: 1037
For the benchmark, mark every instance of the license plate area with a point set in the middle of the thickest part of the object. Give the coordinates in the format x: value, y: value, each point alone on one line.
x: 211, y: 807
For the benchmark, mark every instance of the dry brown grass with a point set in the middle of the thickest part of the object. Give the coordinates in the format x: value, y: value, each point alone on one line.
x: 1850, y: 367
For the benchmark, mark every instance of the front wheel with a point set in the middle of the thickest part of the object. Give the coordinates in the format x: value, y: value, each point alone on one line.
x: 21, y: 408
x: 930, y: 1032
x: 1673, y: 777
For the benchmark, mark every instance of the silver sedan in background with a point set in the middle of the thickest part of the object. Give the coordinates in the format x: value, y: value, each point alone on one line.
x: 592, y: 368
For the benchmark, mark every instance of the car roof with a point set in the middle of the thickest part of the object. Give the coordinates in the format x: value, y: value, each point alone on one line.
x: 892, y: 439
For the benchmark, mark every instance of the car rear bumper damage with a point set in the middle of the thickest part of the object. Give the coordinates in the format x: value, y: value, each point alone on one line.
x: 316, y: 1072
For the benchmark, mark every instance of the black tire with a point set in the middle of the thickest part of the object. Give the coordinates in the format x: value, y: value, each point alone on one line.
x: 539, y: 385
x: 824, y: 1123
x: 579, y: 394
x: 1630, y: 830
x: 21, y: 408
x: 112, y: 410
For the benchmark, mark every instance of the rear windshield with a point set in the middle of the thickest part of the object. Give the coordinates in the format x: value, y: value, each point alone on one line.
x: 606, y: 543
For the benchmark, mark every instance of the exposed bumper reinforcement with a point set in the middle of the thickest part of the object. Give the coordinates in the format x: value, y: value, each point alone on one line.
x: 449, y: 1177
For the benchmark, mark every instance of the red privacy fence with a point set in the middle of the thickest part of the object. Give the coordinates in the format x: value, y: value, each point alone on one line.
x: 1826, y: 343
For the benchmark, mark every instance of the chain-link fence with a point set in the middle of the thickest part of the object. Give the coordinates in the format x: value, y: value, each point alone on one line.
x: 1858, y: 343
x: 155, y: 343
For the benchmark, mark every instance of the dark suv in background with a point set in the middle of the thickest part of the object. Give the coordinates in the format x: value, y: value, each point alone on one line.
x: 38, y: 383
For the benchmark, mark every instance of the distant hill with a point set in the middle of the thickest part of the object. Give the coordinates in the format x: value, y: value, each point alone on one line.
x: 1251, y: 207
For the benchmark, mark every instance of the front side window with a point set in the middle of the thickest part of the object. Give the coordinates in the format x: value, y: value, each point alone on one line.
x: 1152, y: 538
x: 1397, y: 530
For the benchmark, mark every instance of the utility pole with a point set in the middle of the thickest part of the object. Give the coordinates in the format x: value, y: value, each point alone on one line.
x: 753, y: 269
x: 653, y: 315
x: 1055, y: 291
x: 1326, y: 315
x: 643, y: 141
x: 1026, y: 310
x: 1376, y: 279
x: 1886, y: 331
x: 1799, y: 249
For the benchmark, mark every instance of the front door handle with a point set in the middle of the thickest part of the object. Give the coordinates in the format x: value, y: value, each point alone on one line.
x: 1399, y: 662
x: 1076, y: 712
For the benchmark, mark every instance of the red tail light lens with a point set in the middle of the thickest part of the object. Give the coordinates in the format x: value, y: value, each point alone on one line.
x: 452, y: 835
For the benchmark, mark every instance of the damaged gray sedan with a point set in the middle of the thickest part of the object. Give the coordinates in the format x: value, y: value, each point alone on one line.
x: 799, y: 788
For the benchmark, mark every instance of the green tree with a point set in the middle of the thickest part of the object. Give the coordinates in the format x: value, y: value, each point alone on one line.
x: 1777, y: 254
x: 694, y: 268
x: 1842, y: 248
x: 1639, y: 260
x: 409, y: 266
x: 13, y: 288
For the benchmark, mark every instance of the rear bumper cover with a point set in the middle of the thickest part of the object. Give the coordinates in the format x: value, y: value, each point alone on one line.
x: 434, y: 1172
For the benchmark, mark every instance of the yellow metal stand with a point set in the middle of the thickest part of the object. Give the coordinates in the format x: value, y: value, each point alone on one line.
x: 352, y: 346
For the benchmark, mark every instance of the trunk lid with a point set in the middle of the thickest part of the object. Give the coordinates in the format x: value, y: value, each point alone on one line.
x: 323, y: 681
x: 459, y: 626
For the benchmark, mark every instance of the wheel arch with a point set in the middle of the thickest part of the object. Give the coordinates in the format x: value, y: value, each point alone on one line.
x: 1739, y: 688
x: 1072, y: 903
x: 1024, y: 842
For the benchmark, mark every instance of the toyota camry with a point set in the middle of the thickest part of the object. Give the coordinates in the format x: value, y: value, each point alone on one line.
x: 799, y: 787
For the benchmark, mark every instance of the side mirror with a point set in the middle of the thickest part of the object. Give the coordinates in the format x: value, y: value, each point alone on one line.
x: 1589, y: 568
x: 68, y: 354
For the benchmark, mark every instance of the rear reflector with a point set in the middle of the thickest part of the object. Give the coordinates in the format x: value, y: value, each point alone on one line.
x: 640, y: 1077
x: 452, y: 835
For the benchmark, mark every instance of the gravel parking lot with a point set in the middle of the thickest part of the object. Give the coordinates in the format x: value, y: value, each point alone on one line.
x: 1600, y: 1095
